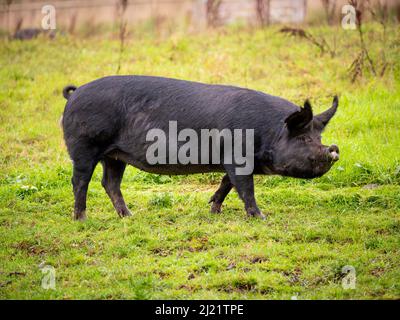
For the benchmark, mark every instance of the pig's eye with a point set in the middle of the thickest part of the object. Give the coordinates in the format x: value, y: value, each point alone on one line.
x: 304, y: 139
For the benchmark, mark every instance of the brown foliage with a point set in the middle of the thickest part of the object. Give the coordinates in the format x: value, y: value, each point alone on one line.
x: 321, y: 43
x: 212, y: 12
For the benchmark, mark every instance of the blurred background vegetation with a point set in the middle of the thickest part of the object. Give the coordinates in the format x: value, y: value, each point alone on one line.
x: 96, y: 17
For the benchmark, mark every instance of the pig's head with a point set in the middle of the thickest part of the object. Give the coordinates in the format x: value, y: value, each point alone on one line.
x: 298, y: 150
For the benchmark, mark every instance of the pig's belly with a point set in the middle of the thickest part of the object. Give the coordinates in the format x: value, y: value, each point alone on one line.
x: 170, y: 169
x: 178, y: 169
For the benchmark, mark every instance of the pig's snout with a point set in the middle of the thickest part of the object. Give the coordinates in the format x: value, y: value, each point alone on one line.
x: 333, y: 152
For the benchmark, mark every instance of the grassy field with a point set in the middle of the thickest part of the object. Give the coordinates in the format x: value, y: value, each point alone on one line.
x: 172, y: 247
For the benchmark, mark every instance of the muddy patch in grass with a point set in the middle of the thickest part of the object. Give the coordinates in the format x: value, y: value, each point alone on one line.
x: 238, y: 284
x: 33, y: 248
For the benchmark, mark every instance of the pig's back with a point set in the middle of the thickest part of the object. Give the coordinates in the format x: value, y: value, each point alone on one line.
x: 135, y: 104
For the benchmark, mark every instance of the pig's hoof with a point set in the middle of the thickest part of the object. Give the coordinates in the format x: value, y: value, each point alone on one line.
x: 258, y: 215
x: 255, y: 213
x: 124, y: 213
x: 216, y: 207
x: 80, y: 216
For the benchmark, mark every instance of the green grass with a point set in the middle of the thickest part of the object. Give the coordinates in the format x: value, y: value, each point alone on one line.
x: 173, y: 247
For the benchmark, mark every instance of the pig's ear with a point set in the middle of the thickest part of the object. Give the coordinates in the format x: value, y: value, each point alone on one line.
x: 326, y: 116
x: 300, y: 119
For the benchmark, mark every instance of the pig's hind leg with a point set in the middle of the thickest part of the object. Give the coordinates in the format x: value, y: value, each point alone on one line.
x: 219, y: 196
x: 84, y: 162
x: 113, y: 171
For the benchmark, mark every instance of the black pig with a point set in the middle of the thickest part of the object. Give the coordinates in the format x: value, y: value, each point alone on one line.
x: 107, y: 121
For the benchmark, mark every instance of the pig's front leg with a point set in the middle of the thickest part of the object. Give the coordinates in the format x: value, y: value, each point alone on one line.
x: 244, y: 185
